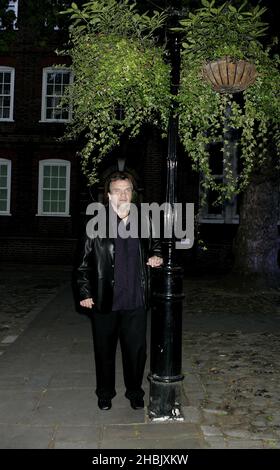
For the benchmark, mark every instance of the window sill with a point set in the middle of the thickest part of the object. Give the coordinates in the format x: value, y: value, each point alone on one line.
x: 54, y: 121
x: 209, y: 220
x: 52, y: 215
x: 5, y: 213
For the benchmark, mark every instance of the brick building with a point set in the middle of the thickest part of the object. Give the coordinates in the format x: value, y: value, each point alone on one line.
x: 43, y: 195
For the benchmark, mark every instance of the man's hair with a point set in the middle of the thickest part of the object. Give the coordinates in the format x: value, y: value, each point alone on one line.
x: 116, y: 176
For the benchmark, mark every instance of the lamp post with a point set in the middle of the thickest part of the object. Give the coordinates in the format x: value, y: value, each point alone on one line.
x: 166, y: 321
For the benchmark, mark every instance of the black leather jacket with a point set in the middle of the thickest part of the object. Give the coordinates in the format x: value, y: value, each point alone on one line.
x: 95, y: 269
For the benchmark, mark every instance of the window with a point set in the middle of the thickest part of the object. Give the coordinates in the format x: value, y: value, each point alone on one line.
x: 7, y: 78
x: 54, y: 187
x: 220, y: 213
x: 55, y: 82
x: 11, y: 15
x: 53, y: 19
x: 5, y: 186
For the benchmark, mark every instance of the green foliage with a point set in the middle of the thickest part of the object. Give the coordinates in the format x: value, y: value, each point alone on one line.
x: 205, y: 115
x: 118, y: 66
x: 110, y: 16
x: 120, y: 78
x: 212, y: 32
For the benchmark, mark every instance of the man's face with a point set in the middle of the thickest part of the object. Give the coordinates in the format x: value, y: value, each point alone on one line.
x: 120, y: 196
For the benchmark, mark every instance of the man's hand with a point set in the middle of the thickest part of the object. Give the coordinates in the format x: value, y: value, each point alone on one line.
x: 155, y: 261
x: 87, y: 303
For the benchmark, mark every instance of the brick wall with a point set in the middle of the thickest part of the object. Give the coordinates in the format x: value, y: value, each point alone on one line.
x: 24, y: 235
x: 37, y: 250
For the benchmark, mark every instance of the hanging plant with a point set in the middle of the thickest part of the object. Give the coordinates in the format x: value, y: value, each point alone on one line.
x: 205, y: 114
x: 121, y: 80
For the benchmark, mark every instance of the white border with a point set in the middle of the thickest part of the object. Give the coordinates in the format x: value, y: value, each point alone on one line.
x: 9, y: 181
x: 54, y: 162
x: 12, y: 70
x: 47, y: 70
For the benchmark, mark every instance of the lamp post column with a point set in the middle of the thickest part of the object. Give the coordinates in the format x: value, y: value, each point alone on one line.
x: 166, y: 322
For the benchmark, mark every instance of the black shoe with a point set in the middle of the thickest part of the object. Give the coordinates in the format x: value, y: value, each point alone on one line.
x: 104, y: 403
x: 137, y: 403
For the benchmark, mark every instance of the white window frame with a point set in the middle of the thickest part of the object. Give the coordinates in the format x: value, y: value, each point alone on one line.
x: 47, y: 70
x: 13, y: 5
x: 228, y: 215
x: 53, y: 162
x: 9, y: 184
x: 12, y: 71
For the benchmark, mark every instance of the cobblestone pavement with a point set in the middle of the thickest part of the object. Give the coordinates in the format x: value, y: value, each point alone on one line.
x: 231, y: 363
x: 230, y: 358
x: 24, y: 292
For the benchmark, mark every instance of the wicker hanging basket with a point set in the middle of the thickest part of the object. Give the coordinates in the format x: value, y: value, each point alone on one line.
x: 229, y: 76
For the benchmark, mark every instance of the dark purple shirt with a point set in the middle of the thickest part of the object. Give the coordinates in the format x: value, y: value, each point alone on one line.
x: 128, y: 292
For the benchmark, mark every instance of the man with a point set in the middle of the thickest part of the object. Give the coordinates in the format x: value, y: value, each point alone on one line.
x: 113, y: 281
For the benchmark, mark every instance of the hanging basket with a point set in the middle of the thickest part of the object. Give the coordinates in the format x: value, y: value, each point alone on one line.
x: 229, y: 76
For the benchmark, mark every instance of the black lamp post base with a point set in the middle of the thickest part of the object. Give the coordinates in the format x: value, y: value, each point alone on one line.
x: 166, y: 376
x: 165, y: 400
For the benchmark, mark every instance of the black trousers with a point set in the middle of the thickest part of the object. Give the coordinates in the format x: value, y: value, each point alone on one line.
x: 130, y: 327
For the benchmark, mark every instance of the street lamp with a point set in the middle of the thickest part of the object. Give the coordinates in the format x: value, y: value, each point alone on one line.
x: 165, y: 375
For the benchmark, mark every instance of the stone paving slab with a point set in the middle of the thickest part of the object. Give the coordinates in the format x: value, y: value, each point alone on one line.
x: 17, y: 405
x: 79, y: 444
x: 24, y: 291
x: 230, y: 361
x: 65, y: 362
x: 78, y: 406
x: 26, y: 437
x: 24, y: 382
x: 72, y: 380
x: 152, y: 431
x: 77, y: 437
x: 189, y: 443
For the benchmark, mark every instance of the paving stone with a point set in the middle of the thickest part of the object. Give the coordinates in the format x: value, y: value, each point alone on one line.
x: 25, y: 437
x: 79, y: 406
x: 244, y: 444
x: 61, y: 363
x: 152, y: 431
x: 9, y: 339
x: 260, y: 423
x: 210, y: 420
x: 230, y: 361
x: 211, y: 431
x: 194, y: 394
x: 77, y: 437
x: 265, y: 434
x: 73, y: 380
x: 216, y: 442
x: 213, y: 411
x: 16, y: 406
x: 194, y: 401
x: 81, y: 347
x: 192, y: 380
x: 24, y: 364
x: 271, y: 444
x: 24, y: 382
x: 75, y: 445
x: 192, y: 414
x: 153, y: 444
